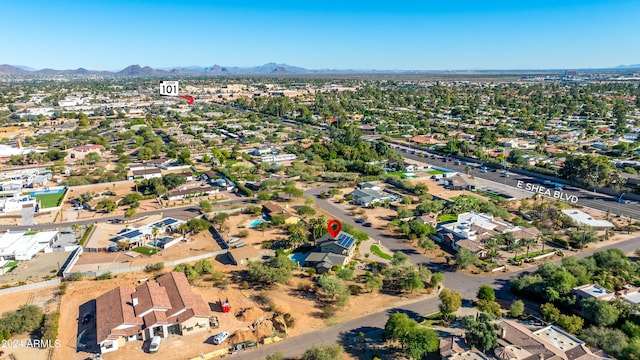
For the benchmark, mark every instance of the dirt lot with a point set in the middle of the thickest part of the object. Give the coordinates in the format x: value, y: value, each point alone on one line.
x: 36, y: 269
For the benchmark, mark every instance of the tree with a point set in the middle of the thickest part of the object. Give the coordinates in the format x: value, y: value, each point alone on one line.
x: 197, y: 225
x: 92, y: 158
x: 612, y: 341
x: 130, y: 213
x: 481, y: 331
x: 465, y: 258
x: 172, y: 181
x: 278, y: 269
x: 293, y: 191
x: 486, y: 292
x: 412, y: 282
x: 571, y: 323
x: 220, y: 219
x: 345, y: 273
x: 549, y: 312
x: 131, y: 199
x: 517, y: 309
x: 416, y: 341
x: 324, y: 352
x: 426, y: 243
x: 437, y: 278
x: 600, y: 312
x: 399, y: 258
x: 107, y: 205
x: 206, y: 206
x: 450, y: 301
x: 305, y: 211
x: 264, y: 195
x: 490, y: 307
x: 422, y: 341
x: 404, y: 213
x: 373, y: 282
x: 398, y: 327
x: 144, y: 153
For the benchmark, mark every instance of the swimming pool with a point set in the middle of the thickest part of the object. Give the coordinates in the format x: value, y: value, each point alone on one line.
x: 255, y: 223
x: 160, y: 242
x: 47, y: 192
x: 298, y: 257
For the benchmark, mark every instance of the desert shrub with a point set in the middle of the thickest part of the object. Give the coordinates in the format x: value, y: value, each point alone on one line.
x: 76, y: 276
x: 154, y: 267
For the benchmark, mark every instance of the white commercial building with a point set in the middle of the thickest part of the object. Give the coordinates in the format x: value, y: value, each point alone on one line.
x: 25, y: 245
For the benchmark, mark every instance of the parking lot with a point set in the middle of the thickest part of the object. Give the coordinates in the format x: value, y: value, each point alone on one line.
x: 40, y: 266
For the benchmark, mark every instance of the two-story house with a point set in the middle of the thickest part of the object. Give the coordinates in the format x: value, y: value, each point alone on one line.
x: 167, y: 306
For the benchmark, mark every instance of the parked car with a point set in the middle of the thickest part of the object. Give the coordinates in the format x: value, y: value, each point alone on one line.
x: 220, y: 337
x: 367, y: 224
x: 360, y: 220
x: 155, y: 344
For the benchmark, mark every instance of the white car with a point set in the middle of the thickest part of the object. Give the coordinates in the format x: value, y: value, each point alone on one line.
x: 155, y: 344
x: 220, y: 337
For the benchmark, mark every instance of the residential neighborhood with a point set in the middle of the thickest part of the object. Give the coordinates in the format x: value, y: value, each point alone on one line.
x: 492, y: 216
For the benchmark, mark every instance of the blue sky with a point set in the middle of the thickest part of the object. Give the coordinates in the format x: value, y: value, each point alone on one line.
x: 329, y: 34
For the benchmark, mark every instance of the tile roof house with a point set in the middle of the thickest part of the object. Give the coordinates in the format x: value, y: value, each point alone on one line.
x: 331, y: 251
x: 271, y: 209
x: 167, y: 306
x: 549, y: 343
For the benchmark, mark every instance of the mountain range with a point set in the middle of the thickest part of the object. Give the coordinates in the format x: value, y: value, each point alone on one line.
x: 137, y: 70
x: 266, y: 69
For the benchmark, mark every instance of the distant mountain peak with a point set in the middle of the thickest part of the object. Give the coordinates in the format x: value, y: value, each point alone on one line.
x: 10, y: 69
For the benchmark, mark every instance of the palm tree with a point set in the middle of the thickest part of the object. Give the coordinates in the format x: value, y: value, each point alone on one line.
x: 528, y: 243
x: 155, y: 231
x: 516, y: 248
x: 492, y: 249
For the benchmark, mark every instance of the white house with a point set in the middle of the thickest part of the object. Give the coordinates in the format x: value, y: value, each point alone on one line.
x: 25, y: 245
x: 16, y: 203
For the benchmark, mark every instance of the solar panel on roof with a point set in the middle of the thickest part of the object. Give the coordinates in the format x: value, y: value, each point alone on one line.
x: 345, y: 240
x: 165, y: 222
x: 132, y: 234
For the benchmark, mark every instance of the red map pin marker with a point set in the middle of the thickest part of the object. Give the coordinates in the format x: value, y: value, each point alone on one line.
x: 334, y: 227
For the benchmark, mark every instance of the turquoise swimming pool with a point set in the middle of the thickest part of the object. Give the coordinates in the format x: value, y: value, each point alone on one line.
x: 255, y: 223
x: 298, y: 257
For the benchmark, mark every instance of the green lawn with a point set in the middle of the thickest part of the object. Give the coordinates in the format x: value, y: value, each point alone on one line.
x: 376, y: 250
x: 466, y: 198
x: 50, y: 200
x: 435, y: 172
x: 397, y: 173
x: 447, y: 218
x: 145, y: 250
x: 30, y: 233
x: 11, y: 264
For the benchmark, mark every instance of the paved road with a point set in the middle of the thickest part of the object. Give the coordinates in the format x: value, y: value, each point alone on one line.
x: 585, y: 197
